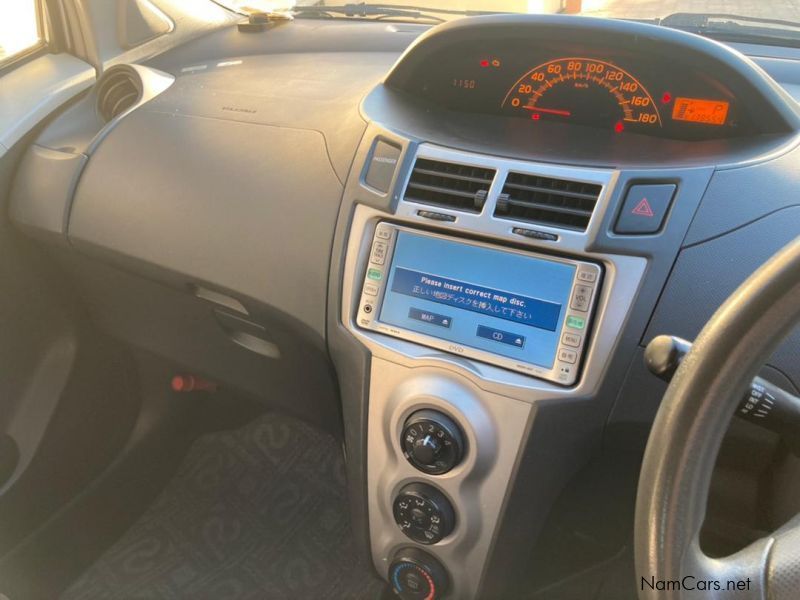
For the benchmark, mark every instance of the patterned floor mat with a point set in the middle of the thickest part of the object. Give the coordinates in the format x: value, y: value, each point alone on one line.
x: 260, y: 512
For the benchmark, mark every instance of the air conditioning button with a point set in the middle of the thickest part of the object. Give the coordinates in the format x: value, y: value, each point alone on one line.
x: 416, y: 575
x: 432, y: 442
x: 423, y: 513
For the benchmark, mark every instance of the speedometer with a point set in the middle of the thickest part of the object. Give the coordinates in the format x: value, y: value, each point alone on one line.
x: 586, y: 91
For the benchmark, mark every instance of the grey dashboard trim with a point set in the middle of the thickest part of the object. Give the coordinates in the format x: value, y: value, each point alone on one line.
x: 42, y: 205
x: 722, y: 263
x: 216, y: 230
x: 280, y: 90
x: 758, y: 190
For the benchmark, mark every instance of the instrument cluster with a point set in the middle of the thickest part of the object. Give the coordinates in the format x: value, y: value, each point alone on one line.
x: 610, y: 89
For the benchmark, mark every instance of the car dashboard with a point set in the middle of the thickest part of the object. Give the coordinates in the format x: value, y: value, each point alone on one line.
x: 470, y: 231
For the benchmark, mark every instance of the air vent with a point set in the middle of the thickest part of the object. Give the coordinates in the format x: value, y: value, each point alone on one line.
x: 118, y: 89
x: 449, y: 184
x: 548, y: 201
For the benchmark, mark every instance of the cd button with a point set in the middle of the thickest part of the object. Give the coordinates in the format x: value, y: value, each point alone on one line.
x: 572, y: 339
x: 504, y: 337
x: 568, y: 356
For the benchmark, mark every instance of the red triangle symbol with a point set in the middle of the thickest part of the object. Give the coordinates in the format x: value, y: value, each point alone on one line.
x: 643, y: 209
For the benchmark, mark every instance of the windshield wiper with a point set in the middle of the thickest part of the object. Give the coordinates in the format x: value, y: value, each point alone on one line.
x: 366, y: 10
x: 736, y: 28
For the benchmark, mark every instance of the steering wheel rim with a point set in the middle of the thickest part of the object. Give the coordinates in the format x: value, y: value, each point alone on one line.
x: 685, y: 440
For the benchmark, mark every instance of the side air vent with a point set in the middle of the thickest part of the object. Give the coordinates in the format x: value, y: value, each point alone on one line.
x: 118, y: 89
x: 449, y: 184
x: 548, y: 201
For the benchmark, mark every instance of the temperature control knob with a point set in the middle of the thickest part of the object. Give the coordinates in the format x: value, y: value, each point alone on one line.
x: 423, y: 513
x: 416, y: 575
x: 432, y: 442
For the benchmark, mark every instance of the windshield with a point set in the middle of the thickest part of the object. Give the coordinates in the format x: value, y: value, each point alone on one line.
x: 785, y: 10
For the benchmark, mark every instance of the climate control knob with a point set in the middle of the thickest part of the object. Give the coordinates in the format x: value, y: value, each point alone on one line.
x: 416, y: 575
x: 423, y: 513
x: 432, y: 442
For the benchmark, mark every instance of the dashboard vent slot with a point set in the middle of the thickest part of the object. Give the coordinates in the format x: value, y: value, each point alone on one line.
x: 452, y: 185
x: 118, y: 89
x: 548, y: 201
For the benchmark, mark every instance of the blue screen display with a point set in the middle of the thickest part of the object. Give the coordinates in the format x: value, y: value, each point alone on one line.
x: 505, y: 303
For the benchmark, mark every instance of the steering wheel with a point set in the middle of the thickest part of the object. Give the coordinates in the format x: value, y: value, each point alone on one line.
x: 685, y: 440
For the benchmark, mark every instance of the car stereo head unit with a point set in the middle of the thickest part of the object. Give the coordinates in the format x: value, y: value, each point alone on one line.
x: 519, y: 310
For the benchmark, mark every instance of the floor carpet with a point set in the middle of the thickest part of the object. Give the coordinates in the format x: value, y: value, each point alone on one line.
x: 260, y: 512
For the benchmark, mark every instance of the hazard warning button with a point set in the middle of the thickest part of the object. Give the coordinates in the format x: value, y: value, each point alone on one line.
x: 644, y: 208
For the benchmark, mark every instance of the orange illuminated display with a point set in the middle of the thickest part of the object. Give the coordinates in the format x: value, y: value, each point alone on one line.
x: 710, y: 112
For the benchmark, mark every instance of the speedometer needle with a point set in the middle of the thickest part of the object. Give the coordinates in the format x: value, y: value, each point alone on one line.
x: 552, y: 111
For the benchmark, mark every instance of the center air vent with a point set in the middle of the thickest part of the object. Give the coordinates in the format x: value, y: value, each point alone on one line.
x: 118, y: 89
x: 447, y: 184
x: 548, y: 201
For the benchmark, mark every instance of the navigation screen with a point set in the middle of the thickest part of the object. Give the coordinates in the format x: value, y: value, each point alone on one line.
x: 501, y: 302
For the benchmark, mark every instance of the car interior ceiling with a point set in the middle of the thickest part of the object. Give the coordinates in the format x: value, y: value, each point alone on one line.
x: 373, y: 306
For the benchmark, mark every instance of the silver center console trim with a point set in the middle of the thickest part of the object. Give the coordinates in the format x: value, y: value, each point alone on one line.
x: 491, y: 404
x: 493, y: 426
x: 486, y: 223
x: 622, y: 275
x: 621, y: 281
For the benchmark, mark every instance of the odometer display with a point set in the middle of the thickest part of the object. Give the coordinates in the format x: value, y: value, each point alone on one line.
x: 695, y: 110
x: 584, y: 91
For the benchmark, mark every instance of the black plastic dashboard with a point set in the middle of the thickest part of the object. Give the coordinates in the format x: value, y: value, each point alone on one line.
x: 266, y: 152
x: 244, y: 176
